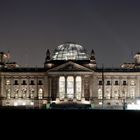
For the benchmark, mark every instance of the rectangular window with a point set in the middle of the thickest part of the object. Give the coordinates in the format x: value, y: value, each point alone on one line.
x: 32, y: 82
x: 24, y: 82
x: 40, y: 82
x: 16, y: 82
x: 108, y: 83
x: 100, y: 82
x: 116, y: 83
x: 124, y: 83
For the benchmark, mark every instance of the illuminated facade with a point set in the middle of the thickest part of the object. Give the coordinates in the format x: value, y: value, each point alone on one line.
x: 69, y: 75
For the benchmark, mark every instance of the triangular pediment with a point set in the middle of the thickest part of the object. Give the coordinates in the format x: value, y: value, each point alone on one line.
x: 70, y: 66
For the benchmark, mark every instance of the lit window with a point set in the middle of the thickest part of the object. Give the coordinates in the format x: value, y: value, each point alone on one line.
x: 16, y: 93
x: 24, y: 91
x: 78, y: 87
x: 7, y: 82
x: 124, y: 92
x: 40, y: 90
x: 8, y: 94
x: 40, y: 93
x: 32, y: 93
x: 132, y: 83
x: 70, y: 87
x: 61, y: 87
x: 99, y: 93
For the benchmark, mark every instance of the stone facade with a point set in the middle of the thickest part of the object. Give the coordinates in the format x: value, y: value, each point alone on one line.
x: 64, y: 81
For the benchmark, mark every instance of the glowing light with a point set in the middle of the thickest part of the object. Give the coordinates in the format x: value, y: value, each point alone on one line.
x: 15, y: 104
x: 70, y: 51
x: 100, y: 103
x: 32, y: 103
x: 86, y: 102
x: 138, y: 102
x: 23, y: 103
x: 133, y: 106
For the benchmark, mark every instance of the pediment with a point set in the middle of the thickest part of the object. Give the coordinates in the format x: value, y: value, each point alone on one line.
x: 70, y: 66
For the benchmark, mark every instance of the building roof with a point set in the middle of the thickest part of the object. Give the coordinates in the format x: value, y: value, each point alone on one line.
x: 20, y: 69
x: 41, y: 69
x: 70, y: 51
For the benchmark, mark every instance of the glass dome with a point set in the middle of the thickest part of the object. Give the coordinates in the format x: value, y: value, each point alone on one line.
x: 70, y: 51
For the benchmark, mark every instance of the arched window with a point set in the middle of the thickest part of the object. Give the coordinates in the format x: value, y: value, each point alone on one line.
x: 107, y: 94
x: 132, y: 82
x: 16, y: 82
x: 40, y: 93
x: 32, y: 82
x: 24, y: 82
x: 8, y: 82
x: 108, y: 83
x: 100, y: 82
x: 8, y: 93
x: 132, y: 93
x: 24, y: 92
x: 99, y: 93
x: 116, y: 95
x: 32, y: 93
x: 124, y: 83
x: 16, y: 93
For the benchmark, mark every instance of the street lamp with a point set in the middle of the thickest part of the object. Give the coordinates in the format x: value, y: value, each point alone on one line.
x: 124, y: 101
x: 124, y: 104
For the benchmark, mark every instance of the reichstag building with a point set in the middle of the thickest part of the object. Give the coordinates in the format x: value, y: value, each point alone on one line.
x: 69, y: 75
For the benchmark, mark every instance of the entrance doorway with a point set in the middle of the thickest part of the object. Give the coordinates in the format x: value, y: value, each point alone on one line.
x: 70, y: 87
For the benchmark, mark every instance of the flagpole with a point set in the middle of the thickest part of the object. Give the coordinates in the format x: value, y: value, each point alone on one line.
x: 102, y: 86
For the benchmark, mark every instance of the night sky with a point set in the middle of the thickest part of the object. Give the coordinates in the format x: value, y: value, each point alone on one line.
x: 29, y: 27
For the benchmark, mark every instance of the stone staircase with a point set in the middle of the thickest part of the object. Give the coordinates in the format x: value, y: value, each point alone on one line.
x: 70, y: 105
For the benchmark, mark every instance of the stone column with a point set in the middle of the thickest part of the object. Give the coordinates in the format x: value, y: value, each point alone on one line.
x: 138, y: 86
x: 65, y: 88
x: 83, y: 80
x: 2, y: 87
x: 91, y: 82
x: 46, y: 86
x: 50, y: 87
x: 74, y: 87
x: 57, y: 94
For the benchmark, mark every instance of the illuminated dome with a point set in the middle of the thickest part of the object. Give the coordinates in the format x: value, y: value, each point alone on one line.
x: 70, y: 51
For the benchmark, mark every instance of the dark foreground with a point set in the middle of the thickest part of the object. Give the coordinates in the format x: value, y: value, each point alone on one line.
x: 69, y: 117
